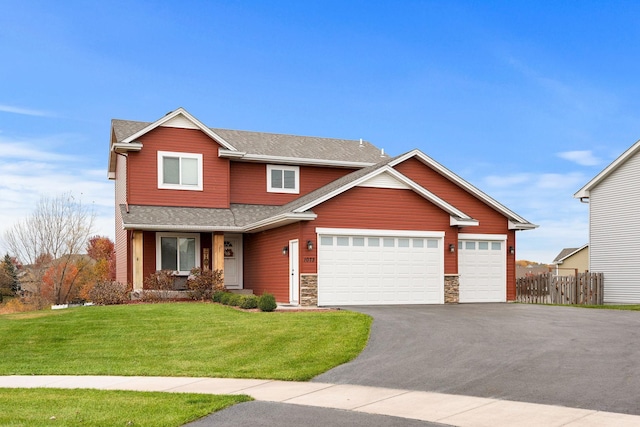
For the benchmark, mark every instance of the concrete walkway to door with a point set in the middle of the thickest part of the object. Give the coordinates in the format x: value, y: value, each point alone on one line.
x: 573, y: 357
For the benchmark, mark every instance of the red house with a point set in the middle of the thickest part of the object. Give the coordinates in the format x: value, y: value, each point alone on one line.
x: 313, y: 221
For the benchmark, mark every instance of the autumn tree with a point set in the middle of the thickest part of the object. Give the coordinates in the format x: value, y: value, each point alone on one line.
x: 102, y: 250
x: 51, y: 240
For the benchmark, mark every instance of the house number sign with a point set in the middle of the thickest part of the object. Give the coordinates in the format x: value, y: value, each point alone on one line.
x: 309, y: 259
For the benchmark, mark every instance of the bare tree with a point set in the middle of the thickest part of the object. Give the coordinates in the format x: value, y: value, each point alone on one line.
x: 57, y: 231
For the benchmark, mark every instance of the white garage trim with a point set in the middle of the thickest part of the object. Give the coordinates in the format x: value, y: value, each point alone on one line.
x: 465, y: 236
x: 379, y: 233
x: 367, y: 267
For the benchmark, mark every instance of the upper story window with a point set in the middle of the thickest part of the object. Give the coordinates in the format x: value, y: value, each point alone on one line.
x: 179, y: 171
x: 283, y: 179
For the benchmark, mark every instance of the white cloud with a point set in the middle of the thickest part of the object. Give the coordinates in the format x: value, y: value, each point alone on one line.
x: 24, y: 111
x: 546, y: 200
x: 28, y: 172
x: 581, y: 157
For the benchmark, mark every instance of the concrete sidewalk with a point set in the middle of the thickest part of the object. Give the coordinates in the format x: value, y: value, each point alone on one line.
x: 448, y: 409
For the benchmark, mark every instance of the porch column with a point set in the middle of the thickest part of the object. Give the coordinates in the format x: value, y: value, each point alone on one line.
x: 138, y: 278
x: 218, y: 251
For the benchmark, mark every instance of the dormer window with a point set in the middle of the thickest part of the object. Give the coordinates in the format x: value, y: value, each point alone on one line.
x: 179, y: 171
x: 283, y: 179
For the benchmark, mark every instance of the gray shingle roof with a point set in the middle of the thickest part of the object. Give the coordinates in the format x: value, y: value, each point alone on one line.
x: 279, y: 145
x: 186, y: 218
x: 563, y: 253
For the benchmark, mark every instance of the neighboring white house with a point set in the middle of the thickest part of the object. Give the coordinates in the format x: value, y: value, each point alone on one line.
x: 614, y: 230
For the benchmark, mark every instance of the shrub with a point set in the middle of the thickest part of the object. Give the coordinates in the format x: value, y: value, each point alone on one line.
x: 235, y: 299
x: 217, y: 296
x: 267, y: 302
x: 225, y: 297
x: 202, y: 284
x: 162, y: 282
x: 106, y: 292
x: 249, y: 302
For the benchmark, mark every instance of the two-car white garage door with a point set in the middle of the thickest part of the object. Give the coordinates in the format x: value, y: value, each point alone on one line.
x: 367, y: 267
x: 362, y: 268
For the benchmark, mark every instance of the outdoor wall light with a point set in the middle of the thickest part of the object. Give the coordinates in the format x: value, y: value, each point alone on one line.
x: 512, y: 250
x: 452, y: 247
x: 309, y: 245
x: 285, y: 250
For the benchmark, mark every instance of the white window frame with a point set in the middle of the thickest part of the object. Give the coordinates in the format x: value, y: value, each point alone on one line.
x: 295, y: 190
x: 162, y: 185
x: 159, y: 237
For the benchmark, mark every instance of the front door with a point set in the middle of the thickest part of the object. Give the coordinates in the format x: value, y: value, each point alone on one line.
x: 294, y: 277
x: 233, y: 261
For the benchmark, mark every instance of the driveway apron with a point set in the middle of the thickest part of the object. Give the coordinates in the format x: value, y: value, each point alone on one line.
x: 576, y: 357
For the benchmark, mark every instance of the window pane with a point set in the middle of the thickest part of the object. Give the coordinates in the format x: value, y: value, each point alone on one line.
x: 343, y: 241
x: 470, y: 245
x: 171, y: 170
x: 289, y: 179
x: 432, y: 243
x: 389, y: 242
x: 358, y: 241
x: 189, y: 171
x: 374, y: 241
x: 187, y: 254
x: 496, y: 246
x: 326, y: 241
x: 169, y: 253
x: 403, y: 243
x: 459, y: 245
x: 418, y: 243
x: 276, y: 178
x: 483, y: 246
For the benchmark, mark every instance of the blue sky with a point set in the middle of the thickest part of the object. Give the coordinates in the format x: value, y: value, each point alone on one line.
x: 526, y: 100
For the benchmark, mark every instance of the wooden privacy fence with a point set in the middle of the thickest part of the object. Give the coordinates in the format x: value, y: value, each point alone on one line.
x: 545, y: 288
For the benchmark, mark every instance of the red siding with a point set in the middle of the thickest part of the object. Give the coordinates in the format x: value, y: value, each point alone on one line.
x: 143, y: 170
x: 249, y: 183
x: 265, y: 268
x: 383, y: 209
x: 491, y: 221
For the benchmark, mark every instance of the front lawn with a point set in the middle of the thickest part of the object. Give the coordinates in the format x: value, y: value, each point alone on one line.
x: 60, y: 407
x: 180, y: 339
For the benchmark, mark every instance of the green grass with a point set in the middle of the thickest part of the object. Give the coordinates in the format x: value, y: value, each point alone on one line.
x: 180, y: 339
x: 59, y: 407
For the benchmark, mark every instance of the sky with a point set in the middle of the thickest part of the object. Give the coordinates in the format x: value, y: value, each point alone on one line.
x: 526, y: 100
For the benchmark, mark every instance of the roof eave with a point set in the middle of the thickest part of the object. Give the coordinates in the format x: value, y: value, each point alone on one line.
x: 513, y: 225
x: 263, y: 158
x: 173, y: 227
x: 463, y: 222
x: 186, y: 114
x: 279, y: 221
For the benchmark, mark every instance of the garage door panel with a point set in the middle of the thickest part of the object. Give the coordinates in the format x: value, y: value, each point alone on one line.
x: 379, y: 270
x: 482, y: 268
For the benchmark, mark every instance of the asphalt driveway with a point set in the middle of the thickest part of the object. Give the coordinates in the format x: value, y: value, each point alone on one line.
x: 565, y: 356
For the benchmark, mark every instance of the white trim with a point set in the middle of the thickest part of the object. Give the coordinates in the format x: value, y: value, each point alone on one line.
x: 376, y: 233
x: 294, y: 272
x: 159, y: 236
x: 278, y: 221
x: 486, y: 237
x: 120, y: 147
x: 188, y: 116
x: 561, y: 260
x: 263, y: 158
x: 462, y: 183
x: 163, y: 186
x: 283, y: 168
x: 586, y: 189
x: 463, y: 222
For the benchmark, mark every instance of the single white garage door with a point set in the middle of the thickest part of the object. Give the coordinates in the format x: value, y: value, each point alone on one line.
x: 380, y: 269
x: 482, y: 268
